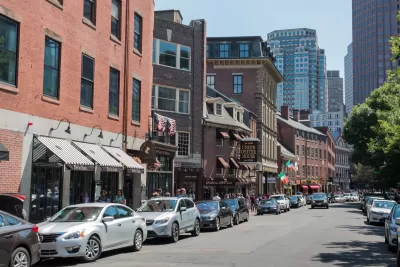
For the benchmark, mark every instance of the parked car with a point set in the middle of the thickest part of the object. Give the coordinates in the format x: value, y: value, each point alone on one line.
x: 168, y: 217
x: 19, y: 242
x: 268, y: 206
x: 338, y: 199
x: 239, y: 209
x: 308, y: 199
x: 355, y: 197
x: 368, y: 205
x: 347, y: 197
x: 214, y: 214
x: 295, y: 201
x: 319, y: 200
x: 391, y: 227
x: 380, y: 210
x: 88, y: 230
x: 13, y: 204
x: 283, y: 201
x: 302, y: 200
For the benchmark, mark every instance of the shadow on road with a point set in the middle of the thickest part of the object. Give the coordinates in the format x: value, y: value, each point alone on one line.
x: 357, y: 254
x: 377, y: 230
x: 346, y: 205
x: 163, y: 241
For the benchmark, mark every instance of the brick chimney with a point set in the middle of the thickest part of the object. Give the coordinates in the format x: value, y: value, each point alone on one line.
x: 285, y: 112
x: 171, y: 15
x: 296, y: 114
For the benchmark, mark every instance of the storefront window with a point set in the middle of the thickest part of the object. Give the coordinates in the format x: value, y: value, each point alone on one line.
x: 190, y: 187
x: 157, y: 180
x: 82, y: 187
x: 108, y: 182
x: 46, y: 189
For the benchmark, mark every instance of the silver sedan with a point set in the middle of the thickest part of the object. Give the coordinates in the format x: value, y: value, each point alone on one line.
x: 87, y: 230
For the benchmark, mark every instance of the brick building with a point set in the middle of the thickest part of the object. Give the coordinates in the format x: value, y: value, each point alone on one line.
x: 310, y: 146
x: 177, y: 97
x: 73, y: 91
x: 243, y: 69
x: 342, y: 164
x: 329, y: 163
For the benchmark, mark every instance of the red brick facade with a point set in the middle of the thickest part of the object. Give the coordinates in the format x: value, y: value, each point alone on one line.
x: 10, y: 171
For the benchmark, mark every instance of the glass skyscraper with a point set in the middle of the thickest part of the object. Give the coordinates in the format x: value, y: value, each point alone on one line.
x: 303, y: 66
x: 374, y: 22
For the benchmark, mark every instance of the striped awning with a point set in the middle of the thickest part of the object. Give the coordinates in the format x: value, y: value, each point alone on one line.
x: 68, y: 154
x: 102, y: 158
x: 130, y: 164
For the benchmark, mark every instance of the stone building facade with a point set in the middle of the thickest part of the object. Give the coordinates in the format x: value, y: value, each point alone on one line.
x: 342, y: 177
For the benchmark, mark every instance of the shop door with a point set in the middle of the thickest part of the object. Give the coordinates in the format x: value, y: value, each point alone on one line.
x: 46, y: 191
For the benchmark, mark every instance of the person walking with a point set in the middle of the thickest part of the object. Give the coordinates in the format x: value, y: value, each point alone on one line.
x: 216, y: 197
x: 120, y: 198
x: 103, y: 197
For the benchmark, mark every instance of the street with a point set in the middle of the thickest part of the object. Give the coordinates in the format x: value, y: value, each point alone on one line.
x: 302, y: 237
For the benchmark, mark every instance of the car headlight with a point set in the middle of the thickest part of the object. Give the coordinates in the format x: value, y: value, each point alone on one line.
x: 75, y: 235
x: 162, y: 221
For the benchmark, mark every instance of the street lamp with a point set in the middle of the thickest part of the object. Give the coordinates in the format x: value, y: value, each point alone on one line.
x: 99, y: 136
x: 68, y: 130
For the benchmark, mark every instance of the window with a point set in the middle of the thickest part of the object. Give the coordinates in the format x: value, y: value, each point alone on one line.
x: 137, y: 39
x: 183, y: 139
x: 8, y: 50
x: 154, y: 50
x: 2, y: 221
x: 316, y: 171
x: 11, y: 220
x: 87, y: 81
x: 115, y: 18
x: 113, y: 105
x: 302, y: 151
x: 51, y: 75
x: 232, y: 143
x: 244, y: 50
x: 167, y: 54
x: 124, y: 212
x: 170, y: 99
x: 220, y: 142
x: 324, y: 154
x: 316, y: 153
x: 218, y: 109
x: 185, y: 58
x: 207, y: 49
x: 297, y: 150
x: 136, y: 92
x: 237, y: 84
x: 219, y: 171
x: 89, y: 10
x: 303, y: 170
x: 189, y: 203
x: 111, y: 212
x: 210, y: 79
x: 223, y: 50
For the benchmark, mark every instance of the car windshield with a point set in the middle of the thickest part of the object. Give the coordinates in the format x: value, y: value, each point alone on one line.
x: 338, y: 196
x: 293, y: 197
x: 158, y: 205
x: 269, y: 201
x: 77, y: 214
x: 396, y: 213
x: 384, y: 204
x: 278, y: 197
x: 371, y: 199
x: 231, y: 202
x: 211, y: 205
x: 319, y: 196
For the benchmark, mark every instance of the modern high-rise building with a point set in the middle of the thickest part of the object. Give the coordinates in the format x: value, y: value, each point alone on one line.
x: 335, y: 91
x: 348, y: 79
x: 374, y: 22
x: 303, y: 66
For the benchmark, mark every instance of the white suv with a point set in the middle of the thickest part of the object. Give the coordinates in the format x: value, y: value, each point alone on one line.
x: 283, y: 201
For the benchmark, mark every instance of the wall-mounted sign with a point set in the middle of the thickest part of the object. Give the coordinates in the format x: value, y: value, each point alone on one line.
x: 248, y: 151
x: 218, y: 183
x: 148, y: 152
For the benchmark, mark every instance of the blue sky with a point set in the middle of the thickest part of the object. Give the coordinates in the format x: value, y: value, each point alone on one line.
x: 331, y: 19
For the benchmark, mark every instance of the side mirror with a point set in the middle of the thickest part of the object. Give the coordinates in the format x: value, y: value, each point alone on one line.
x: 108, y: 219
x: 398, y: 221
x: 182, y: 209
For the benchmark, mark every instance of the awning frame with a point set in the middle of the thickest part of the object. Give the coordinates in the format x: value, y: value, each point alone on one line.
x: 235, y: 136
x: 123, y: 158
x: 222, y: 135
x: 234, y: 163
x: 221, y: 163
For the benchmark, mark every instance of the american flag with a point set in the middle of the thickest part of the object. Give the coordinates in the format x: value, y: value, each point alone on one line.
x: 160, y: 121
x: 172, y: 127
x: 294, y: 166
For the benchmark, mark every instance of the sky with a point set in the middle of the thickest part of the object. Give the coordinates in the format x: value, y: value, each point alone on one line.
x: 331, y: 19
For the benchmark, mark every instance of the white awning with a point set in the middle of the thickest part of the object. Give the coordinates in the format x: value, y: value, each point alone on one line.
x: 94, y: 152
x: 130, y: 164
x: 68, y: 154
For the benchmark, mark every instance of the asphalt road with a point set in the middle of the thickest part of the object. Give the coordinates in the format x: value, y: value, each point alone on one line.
x: 302, y: 237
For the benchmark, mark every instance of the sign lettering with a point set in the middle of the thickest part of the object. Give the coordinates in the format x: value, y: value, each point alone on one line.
x: 248, y: 151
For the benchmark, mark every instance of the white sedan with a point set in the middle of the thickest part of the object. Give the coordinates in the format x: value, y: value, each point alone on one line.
x: 87, y: 230
x: 380, y: 210
x: 283, y: 201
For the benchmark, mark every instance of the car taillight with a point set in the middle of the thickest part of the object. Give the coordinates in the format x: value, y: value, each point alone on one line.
x: 35, y: 229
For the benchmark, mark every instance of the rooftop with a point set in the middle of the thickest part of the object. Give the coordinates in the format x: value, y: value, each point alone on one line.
x: 299, y: 125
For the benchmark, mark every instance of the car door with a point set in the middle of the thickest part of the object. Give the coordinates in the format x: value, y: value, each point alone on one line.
x: 183, y: 215
x: 241, y: 209
x: 7, y: 239
x: 113, y: 229
x: 127, y: 222
x: 224, y: 212
x: 191, y: 210
x: 388, y: 221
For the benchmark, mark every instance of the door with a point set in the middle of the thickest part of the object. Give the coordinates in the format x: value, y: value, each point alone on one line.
x: 224, y: 212
x: 127, y: 222
x: 183, y: 216
x: 113, y: 229
x: 191, y: 212
x: 7, y: 240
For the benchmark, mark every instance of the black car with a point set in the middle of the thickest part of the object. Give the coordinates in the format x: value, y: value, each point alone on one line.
x: 294, y: 201
x: 19, y: 241
x: 319, y: 200
x: 215, y: 214
x: 268, y: 206
x: 239, y: 209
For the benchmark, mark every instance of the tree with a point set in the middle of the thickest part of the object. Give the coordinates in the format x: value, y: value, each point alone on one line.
x: 363, y: 174
x: 373, y: 128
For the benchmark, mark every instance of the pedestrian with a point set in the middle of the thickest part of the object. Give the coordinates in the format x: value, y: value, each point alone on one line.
x: 120, y: 198
x: 178, y: 193
x: 103, y: 197
x: 216, y: 197
x: 183, y: 192
x: 167, y: 194
x: 253, y: 202
x: 155, y: 195
x: 159, y: 191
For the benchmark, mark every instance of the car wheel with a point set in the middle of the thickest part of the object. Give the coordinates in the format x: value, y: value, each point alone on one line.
x: 368, y: 221
x: 20, y: 257
x: 327, y: 206
x: 247, y: 217
x: 237, y: 220
x: 386, y: 239
x: 138, y: 240
x: 93, y: 250
x: 231, y: 222
x: 217, y: 224
x: 174, y: 233
x: 277, y: 212
x: 196, y: 230
x: 398, y: 257
x: 312, y: 206
x: 288, y: 208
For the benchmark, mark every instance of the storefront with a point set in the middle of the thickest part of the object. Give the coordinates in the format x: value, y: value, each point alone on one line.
x: 213, y: 186
x: 189, y: 176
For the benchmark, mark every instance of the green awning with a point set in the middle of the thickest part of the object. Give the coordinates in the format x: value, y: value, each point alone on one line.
x: 4, y: 153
